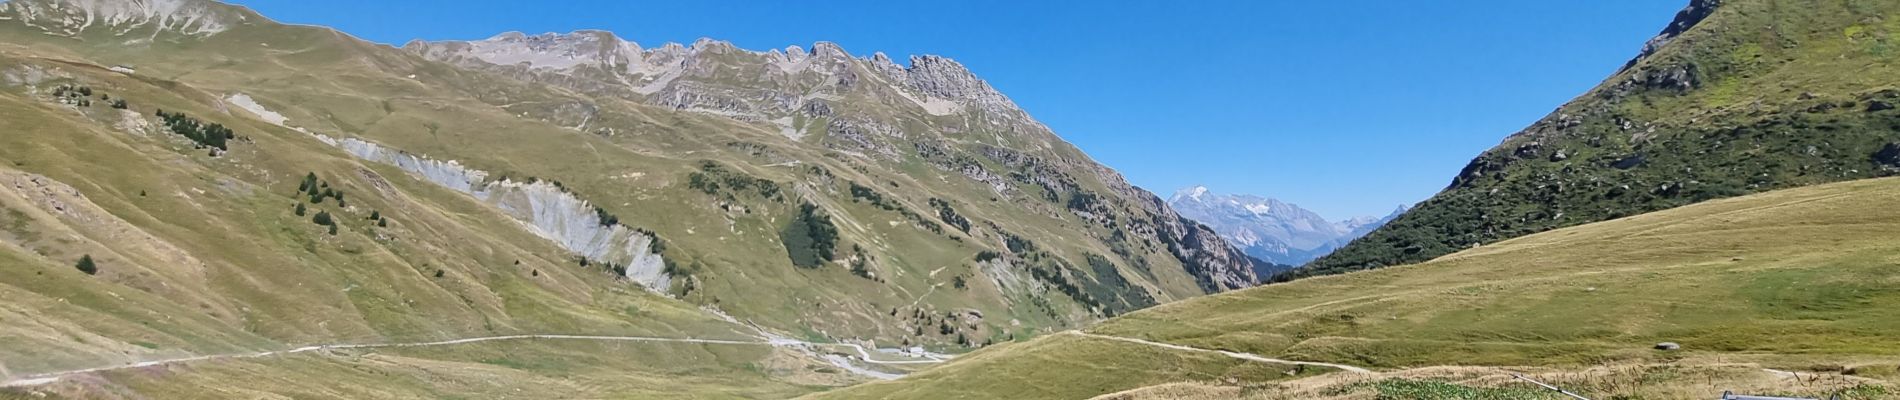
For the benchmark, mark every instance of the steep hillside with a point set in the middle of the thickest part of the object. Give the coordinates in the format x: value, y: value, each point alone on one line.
x: 1790, y: 280
x: 1733, y: 97
x: 129, y: 239
x: 817, y: 195
x: 1279, y: 232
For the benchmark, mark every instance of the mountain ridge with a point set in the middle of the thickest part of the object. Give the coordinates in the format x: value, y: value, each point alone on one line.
x: 1270, y: 229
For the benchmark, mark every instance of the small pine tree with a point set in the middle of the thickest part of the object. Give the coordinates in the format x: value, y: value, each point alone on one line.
x: 375, y: 215
x: 86, y: 265
x: 341, y: 204
x: 438, y: 273
x: 300, y: 209
x: 382, y: 223
x: 322, y: 218
x: 332, y: 229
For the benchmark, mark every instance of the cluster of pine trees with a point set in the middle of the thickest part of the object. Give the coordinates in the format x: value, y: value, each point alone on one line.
x: 320, y: 189
x: 811, y: 238
x: 323, y: 218
x: 205, y: 135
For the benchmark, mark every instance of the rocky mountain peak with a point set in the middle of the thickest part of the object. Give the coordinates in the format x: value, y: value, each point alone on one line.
x: 713, y: 45
x: 125, y: 17
x: 775, y: 85
x: 824, y: 49
x: 1693, y: 14
x: 1189, y: 194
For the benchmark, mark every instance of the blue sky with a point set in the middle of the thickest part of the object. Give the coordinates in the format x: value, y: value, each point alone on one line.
x: 1346, y: 108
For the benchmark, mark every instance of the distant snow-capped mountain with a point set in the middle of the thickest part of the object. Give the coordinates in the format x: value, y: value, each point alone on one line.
x: 1270, y: 229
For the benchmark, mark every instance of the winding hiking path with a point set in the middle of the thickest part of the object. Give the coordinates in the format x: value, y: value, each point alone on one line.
x: 51, y: 377
x: 778, y: 341
x: 1239, y: 355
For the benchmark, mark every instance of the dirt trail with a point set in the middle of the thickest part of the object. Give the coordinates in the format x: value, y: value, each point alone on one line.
x: 1243, y: 356
x: 51, y: 377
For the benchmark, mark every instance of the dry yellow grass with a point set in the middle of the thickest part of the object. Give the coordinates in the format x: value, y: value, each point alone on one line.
x: 1799, y: 280
x: 1607, y: 382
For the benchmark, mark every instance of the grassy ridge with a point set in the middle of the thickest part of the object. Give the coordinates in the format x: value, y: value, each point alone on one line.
x: 1800, y: 273
x: 1761, y: 95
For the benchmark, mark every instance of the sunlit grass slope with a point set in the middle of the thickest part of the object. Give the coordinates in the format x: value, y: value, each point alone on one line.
x: 1800, y: 279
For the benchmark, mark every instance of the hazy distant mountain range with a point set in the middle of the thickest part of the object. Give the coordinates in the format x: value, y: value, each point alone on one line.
x: 1270, y: 229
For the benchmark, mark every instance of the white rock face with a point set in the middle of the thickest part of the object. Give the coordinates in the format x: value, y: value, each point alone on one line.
x: 549, y: 211
x: 245, y: 102
x: 72, y: 17
x: 542, y: 207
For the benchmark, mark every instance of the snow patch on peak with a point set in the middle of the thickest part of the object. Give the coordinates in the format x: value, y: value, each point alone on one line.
x: 1190, y: 193
x: 1259, y: 208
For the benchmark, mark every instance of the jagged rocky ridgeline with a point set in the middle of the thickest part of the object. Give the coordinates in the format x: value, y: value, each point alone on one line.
x: 545, y: 208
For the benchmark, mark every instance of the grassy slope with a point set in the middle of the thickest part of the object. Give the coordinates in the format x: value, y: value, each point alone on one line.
x: 1471, y: 383
x: 527, y: 370
x: 327, y: 82
x: 1063, y: 367
x: 1790, y: 279
x: 203, y: 255
x: 1799, y: 273
x: 1761, y: 95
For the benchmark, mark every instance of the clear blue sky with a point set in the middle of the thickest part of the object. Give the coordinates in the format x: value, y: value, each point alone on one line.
x: 1346, y: 108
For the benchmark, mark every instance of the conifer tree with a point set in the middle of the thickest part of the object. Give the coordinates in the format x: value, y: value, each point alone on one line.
x: 87, y: 266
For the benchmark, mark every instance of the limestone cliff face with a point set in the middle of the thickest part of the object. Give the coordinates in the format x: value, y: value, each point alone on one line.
x: 546, y: 209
